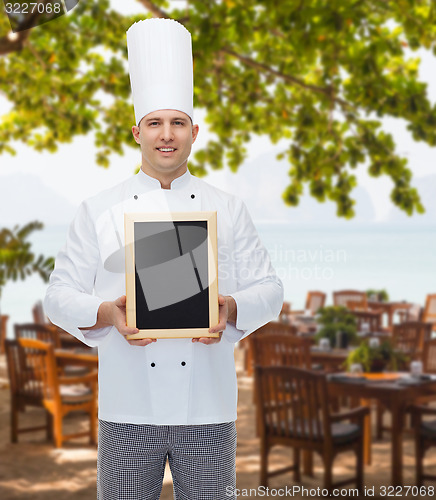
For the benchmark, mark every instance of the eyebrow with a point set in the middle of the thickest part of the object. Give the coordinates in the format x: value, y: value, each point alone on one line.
x: 158, y: 118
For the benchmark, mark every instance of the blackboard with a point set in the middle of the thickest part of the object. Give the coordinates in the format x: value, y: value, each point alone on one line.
x: 171, y: 274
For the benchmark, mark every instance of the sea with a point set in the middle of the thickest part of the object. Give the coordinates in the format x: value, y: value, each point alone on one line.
x: 400, y: 259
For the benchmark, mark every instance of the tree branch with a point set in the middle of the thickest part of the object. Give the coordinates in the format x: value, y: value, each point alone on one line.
x: 290, y: 79
x: 13, y: 42
x: 149, y: 5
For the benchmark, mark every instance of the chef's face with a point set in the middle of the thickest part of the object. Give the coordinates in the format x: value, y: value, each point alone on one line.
x: 166, y: 137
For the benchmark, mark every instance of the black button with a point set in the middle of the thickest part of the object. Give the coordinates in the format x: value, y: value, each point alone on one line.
x: 153, y: 365
x: 192, y: 196
x: 136, y: 197
x: 183, y: 363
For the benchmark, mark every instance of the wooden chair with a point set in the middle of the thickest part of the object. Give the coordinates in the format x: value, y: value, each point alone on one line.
x: 425, y: 438
x: 280, y: 349
x: 67, y: 341
x: 38, y: 314
x: 412, y: 313
x: 409, y: 337
x: 429, y: 356
x: 37, y: 332
x: 50, y: 335
x: 284, y: 313
x: 60, y: 395
x: 314, y: 301
x: 286, y: 308
x: 352, y: 299
x: 425, y: 431
x: 3, y: 331
x: 372, y: 318
x: 293, y: 410
x: 24, y: 391
x: 429, y: 314
x: 271, y: 328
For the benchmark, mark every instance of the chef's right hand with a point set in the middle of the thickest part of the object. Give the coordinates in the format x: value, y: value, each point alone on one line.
x: 114, y: 314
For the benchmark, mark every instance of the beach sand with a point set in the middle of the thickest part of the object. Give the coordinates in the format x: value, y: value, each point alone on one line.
x: 34, y: 470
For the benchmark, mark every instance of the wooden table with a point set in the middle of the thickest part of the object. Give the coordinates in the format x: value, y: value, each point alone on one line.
x: 389, y: 308
x: 77, y: 357
x: 396, y: 396
x: 332, y: 360
x: 304, y: 324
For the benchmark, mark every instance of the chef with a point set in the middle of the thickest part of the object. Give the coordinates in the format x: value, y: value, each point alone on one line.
x: 169, y: 399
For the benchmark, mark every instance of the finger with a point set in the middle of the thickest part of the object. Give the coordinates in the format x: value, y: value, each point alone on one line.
x: 120, y: 301
x: 141, y: 342
x: 218, y: 328
x: 127, y: 330
x: 221, y: 300
x: 210, y: 340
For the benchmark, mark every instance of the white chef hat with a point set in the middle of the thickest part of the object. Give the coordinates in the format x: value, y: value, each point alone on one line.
x: 160, y: 66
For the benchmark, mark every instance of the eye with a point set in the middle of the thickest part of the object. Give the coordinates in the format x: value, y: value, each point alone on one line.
x: 179, y: 123
x: 153, y: 123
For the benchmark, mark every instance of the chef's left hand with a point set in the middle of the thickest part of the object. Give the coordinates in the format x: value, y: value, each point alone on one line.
x: 226, y: 311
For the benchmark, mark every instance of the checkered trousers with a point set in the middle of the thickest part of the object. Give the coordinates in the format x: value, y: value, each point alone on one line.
x: 132, y: 458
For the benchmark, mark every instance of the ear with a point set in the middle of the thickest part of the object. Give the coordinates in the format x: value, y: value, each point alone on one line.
x: 135, y: 132
x: 195, y: 129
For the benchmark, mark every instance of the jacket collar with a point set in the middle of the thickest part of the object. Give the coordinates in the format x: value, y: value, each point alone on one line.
x: 152, y: 183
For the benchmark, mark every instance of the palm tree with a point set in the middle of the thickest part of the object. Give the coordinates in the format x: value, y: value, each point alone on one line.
x: 17, y: 261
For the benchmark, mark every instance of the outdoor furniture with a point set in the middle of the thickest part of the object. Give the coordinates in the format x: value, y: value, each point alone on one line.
x: 425, y: 438
x: 38, y: 314
x: 429, y: 314
x: 331, y: 361
x: 413, y: 312
x: 271, y: 328
x: 373, y: 319
x: 397, y: 394
x: 293, y: 411
x: 66, y: 340
x: 314, y: 301
x: 286, y: 309
x: 429, y: 356
x: 23, y: 389
x: 3, y: 331
x: 351, y: 299
x: 390, y: 308
x: 37, y: 332
x: 409, y: 338
x: 280, y: 349
x: 79, y: 357
x: 60, y: 395
x: 50, y: 335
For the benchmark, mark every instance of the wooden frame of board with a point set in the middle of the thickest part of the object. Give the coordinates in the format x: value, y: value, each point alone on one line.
x: 171, y: 274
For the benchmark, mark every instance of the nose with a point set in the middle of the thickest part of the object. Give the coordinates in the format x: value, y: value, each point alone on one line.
x: 167, y: 132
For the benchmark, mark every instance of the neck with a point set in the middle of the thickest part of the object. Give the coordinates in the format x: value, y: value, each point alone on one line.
x: 165, y: 179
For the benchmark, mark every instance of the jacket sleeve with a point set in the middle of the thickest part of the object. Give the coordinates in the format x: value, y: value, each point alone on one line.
x: 259, y: 294
x: 69, y: 302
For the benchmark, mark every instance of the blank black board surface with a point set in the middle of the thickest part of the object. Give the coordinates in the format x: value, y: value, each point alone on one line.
x: 171, y: 274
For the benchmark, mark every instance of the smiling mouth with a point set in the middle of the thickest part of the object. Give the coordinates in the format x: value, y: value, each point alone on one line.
x: 166, y: 150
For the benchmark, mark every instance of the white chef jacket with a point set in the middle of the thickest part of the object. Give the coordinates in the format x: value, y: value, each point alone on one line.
x: 172, y: 381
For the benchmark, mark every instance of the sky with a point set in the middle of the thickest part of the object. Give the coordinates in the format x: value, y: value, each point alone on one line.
x: 72, y: 174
